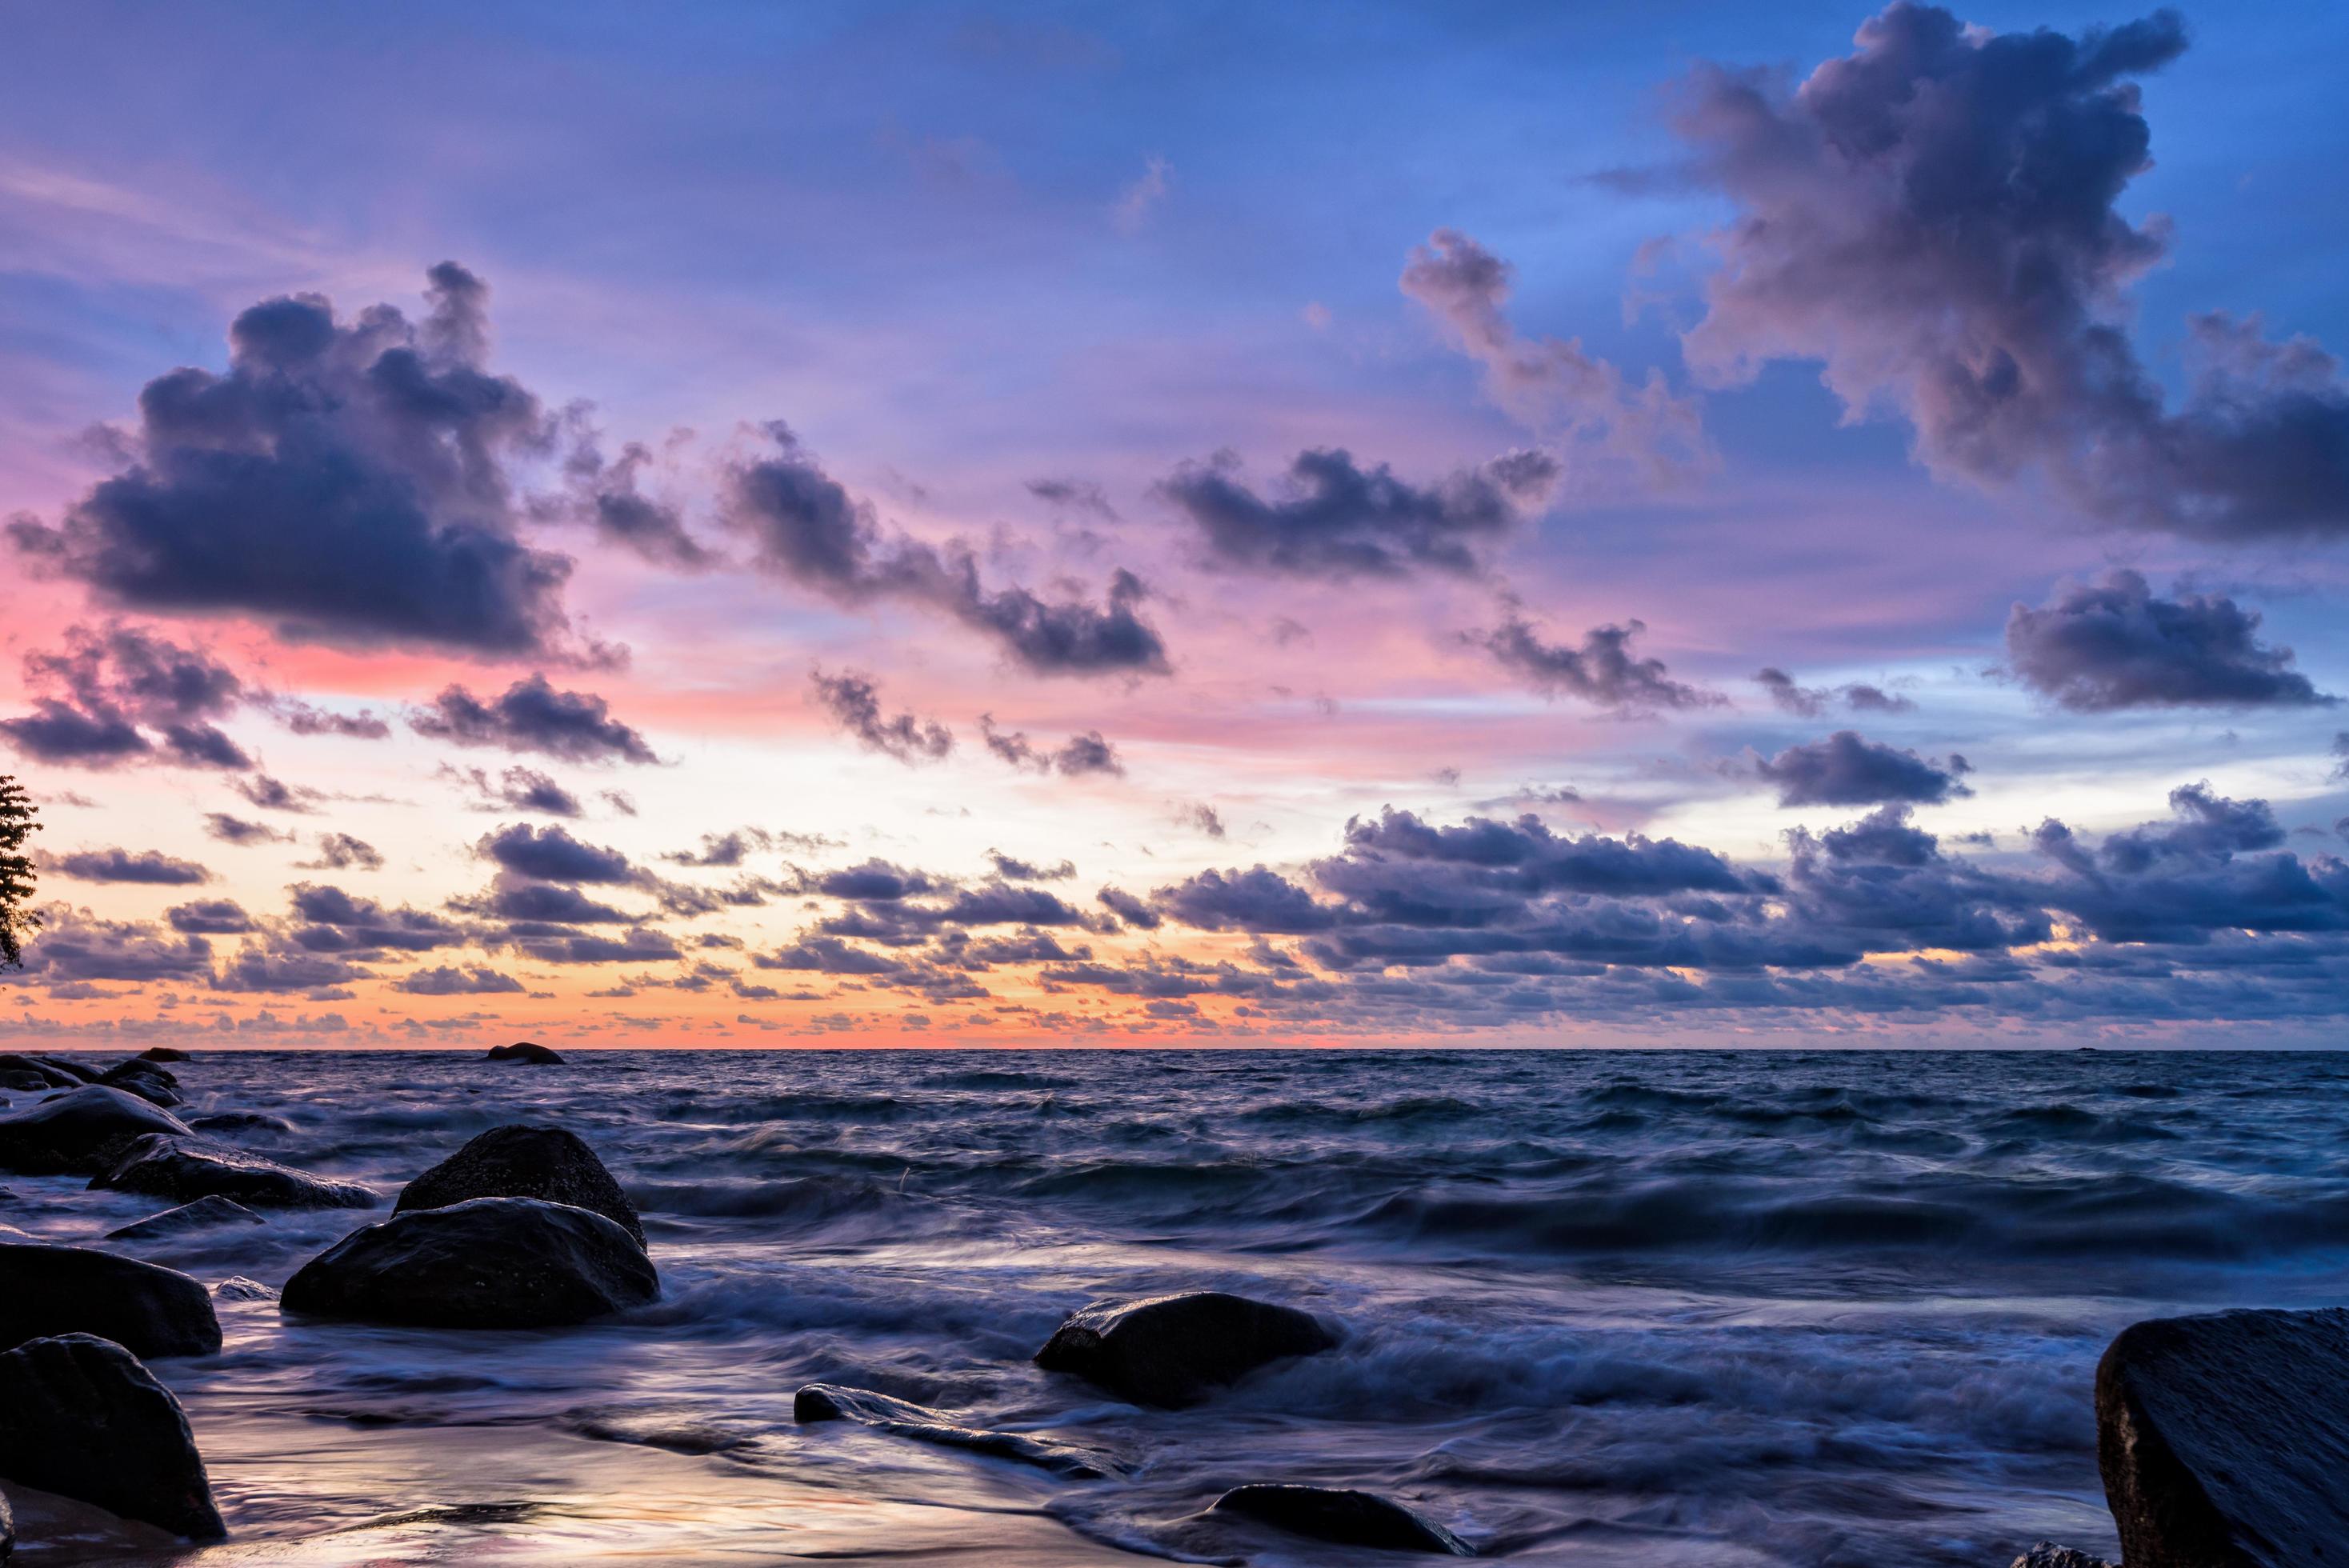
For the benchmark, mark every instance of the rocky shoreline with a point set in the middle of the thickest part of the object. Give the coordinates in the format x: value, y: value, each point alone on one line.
x: 2221, y: 1435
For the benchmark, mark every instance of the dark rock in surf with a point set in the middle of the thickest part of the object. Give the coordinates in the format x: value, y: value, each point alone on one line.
x: 238, y: 1121
x: 1172, y: 1350
x: 2224, y: 1439
x: 50, y: 1290
x: 80, y: 1071
x: 524, y: 1161
x: 186, y: 1167
x: 201, y: 1214
x: 489, y: 1263
x: 2047, y: 1554
x: 7, y: 1531
x: 1343, y: 1518
x: 901, y: 1418
x: 149, y: 1080
x: 163, y: 1054
x: 528, y: 1051
x: 237, y: 1288
x: 81, y: 1417
x: 33, y: 1074
x: 77, y: 1132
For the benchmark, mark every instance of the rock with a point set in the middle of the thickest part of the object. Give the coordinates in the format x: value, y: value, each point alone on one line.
x: 163, y: 1054
x: 237, y: 1288
x: 903, y: 1417
x: 2047, y: 1554
x: 524, y: 1161
x: 2224, y: 1439
x: 151, y: 1311
x: 81, y: 1072
x: 76, y: 1133
x: 186, y: 1167
x: 238, y: 1121
x: 1344, y: 1518
x: 489, y: 1263
x: 148, y: 1080
x: 1172, y: 1350
x: 523, y: 1051
x: 30, y: 1075
x: 196, y: 1216
x: 81, y: 1417
x: 7, y: 1531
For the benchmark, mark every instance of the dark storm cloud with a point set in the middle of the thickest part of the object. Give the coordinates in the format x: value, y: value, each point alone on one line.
x: 2101, y: 646
x: 808, y: 528
x: 1548, y: 382
x: 533, y: 715
x: 236, y: 831
x: 1078, y: 756
x: 346, y: 482
x: 551, y: 854
x: 342, y: 853
x: 1330, y: 518
x: 210, y: 917
x: 1812, y: 702
x: 854, y: 704
x: 111, y: 865
x: 126, y: 693
x: 1602, y: 671
x: 445, y: 980
x: 517, y: 788
x: 1936, y: 216
x: 1846, y: 771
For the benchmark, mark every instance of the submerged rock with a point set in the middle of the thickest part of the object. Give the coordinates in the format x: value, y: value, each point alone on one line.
x: 903, y: 1417
x: 75, y: 1133
x: 81, y: 1417
x: 523, y: 1051
x: 524, y: 1161
x: 240, y: 1121
x: 1172, y: 1350
x: 188, y: 1167
x: 1343, y: 1518
x: 195, y: 1216
x: 2047, y: 1554
x: 152, y: 1310
x: 488, y: 1263
x: 2224, y: 1439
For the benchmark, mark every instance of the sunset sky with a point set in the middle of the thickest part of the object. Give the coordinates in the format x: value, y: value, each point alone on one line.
x: 1482, y: 524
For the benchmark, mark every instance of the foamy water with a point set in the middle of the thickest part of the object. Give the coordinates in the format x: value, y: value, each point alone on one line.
x: 1600, y: 1308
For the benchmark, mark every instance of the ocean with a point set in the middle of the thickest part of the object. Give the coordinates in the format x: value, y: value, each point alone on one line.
x: 1696, y: 1309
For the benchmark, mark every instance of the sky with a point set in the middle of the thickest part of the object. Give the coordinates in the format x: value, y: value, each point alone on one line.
x: 1466, y: 525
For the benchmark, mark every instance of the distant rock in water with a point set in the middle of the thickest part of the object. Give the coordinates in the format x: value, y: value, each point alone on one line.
x: 237, y: 1288
x: 524, y: 1161
x: 81, y: 1417
x: 1172, y: 1350
x: 31, y: 1075
x: 163, y: 1054
x: 186, y: 1167
x: 1343, y: 1518
x: 75, y: 1133
x: 2047, y: 1554
x: 149, y: 1080
x: 2224, y: 1440
x: 523, y: 1051
x: 196, y: 1216
x: 490, y: 1262
x: 903, y: 1417
x: 47, y: 1290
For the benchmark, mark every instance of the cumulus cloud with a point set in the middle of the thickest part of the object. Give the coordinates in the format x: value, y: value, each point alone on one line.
x: 854, y: 704
x: 309, y: 718
x: 340, y: 851
x: 124, y: 694
x: 1550, y: 383
x: 1330, y: 518
x: 446, y: 981
x: 2111, y: 645
x: 152, y: 867
x: 210, y: 917
x: 807, y: 527
x: 1845, y: 770
x: 551, y: 854
x: 1936, y: 217
x: 1602, y: 671
x: 345, y: 482
x: 533, y: 715
x: 1078, y: 756
x: 1812, y: 702
x: 236, y: 831
x: 276, y: 794
x: 608, y: 495
x: 518, y: 789
x: 77, y: 945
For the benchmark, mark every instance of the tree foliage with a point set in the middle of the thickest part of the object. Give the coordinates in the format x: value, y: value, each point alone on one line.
x: 18, y: 822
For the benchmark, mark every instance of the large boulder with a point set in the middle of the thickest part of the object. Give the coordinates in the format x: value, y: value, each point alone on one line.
x: 47, y: 1290
x: 1173, y: 1350
x: 77, y: 1132
x: 32, y: 1075
x: 524, y: 1161
x: 490, y: 1262
x: 163, y: 1054
x: 901, y: 1418
x: 1343, y: 1518
x: 81, y: 1417
x: 2224, y: 1439
x: 528, y: 1051
x: 185, y: 1167
x: 201, y: 1214
x: 80, y: 1071
x: 151, y: 1081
